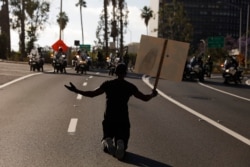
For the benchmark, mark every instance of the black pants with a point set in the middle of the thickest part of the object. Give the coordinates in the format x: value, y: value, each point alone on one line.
x: 116, y: 131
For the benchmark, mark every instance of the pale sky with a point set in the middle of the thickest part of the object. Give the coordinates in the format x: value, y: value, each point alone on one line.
x: 91, y: 14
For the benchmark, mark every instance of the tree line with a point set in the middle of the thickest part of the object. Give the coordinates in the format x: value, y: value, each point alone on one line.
x: 28, y: 17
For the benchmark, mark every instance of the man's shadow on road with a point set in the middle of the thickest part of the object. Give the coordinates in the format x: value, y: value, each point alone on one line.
x: 138, y: 160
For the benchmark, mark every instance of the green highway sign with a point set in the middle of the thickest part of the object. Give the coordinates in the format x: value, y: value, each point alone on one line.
x: 215, y: 42
x: 85, y: 47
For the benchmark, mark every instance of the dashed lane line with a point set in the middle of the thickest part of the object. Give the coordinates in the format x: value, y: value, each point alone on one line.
x: 79, y: 97
x: 73, y: 121
x: 72, y: 125
x: 203, y: 117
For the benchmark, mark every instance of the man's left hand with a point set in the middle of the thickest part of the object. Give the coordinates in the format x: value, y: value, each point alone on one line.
x: 71, y: 87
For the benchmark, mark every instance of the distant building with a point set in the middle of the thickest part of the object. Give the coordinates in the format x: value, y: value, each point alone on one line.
x: 208, y: 17
x: 133, y: 47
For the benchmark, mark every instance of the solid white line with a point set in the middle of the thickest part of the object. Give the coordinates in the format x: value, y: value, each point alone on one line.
x: 18, y: 79
x: 79, y: 97
x: 210, y: 121
x: 72, y: 125
x: 221, y: 91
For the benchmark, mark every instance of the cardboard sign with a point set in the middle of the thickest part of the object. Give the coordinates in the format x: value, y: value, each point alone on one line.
x: 150, y: 53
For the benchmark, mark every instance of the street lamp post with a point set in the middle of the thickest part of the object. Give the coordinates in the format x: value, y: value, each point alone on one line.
x: 240, y: 29
x: 130, y: 33
x: 246, y: 48
x: 60, y: 15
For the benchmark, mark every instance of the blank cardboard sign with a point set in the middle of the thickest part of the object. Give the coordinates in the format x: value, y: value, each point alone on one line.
x: 149, y: 57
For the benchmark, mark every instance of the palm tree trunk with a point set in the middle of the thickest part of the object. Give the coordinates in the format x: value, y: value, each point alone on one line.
x: 82, y: 25
x: 121, y: 2
x: 60, y: 27
x: 114, y: 37
x: 106, y: 27
x: 22, y: 35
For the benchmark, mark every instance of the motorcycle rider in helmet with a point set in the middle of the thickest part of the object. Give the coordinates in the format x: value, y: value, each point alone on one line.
x: 208, y: 66
x: 62, y: 57
x: 231, y: 62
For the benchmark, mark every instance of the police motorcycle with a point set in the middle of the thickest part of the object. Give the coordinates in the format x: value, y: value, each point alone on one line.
x: 80, y: 63
x: 35, y: 61
x: 60, y: 62
x: 231, y: 72
x: 208, y: 67
x: 194, y: 70
x: 112, y: 62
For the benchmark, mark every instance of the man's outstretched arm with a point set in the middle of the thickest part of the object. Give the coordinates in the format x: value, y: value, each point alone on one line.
x: 93, y: 93
x: 144, y: 97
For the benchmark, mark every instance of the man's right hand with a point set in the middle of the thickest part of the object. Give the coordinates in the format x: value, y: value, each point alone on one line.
x: 154, y: 93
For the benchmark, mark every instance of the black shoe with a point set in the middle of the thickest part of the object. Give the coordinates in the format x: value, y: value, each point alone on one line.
x: 120, y: 150
x: 108, y: 146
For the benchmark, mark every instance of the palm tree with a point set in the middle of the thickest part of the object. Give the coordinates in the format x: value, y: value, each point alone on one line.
x: 122, y: 17
x: 114, y: 30
x: 146, y: 14
x: 62, y: 20
x: 119, y: 20
x: 81, y: 3
x: 106, y: 39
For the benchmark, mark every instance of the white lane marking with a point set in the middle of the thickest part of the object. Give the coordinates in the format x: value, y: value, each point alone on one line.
x: 91, y: 76
x: 72, y: 125
x: 79, y: 97
x: 221, y: 91
x: 208, y: 120
x: 84, y: 84
x: 18, y: 79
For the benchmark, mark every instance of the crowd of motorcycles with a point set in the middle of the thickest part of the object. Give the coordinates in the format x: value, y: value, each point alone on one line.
x: 80, y: 62
x: 195, y: 69
x: 59, y: 62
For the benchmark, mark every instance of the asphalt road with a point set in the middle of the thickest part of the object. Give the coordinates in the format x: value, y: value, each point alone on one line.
x: 189, y: 124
